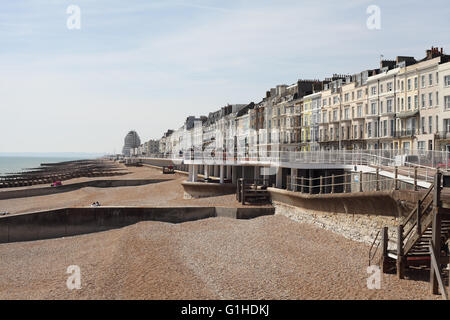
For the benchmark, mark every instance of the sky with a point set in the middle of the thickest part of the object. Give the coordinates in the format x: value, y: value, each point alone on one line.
x: 146, y: 65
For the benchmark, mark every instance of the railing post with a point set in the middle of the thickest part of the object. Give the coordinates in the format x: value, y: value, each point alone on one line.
x: 384, y: 252
x: 436, y: 230
x: 321, y: 185
x: 360, y: 181
x: 303, y: 185
x: 446, y: 162
x: 415, y: 179
x: 238, y: 191
x: 400, y: 258
x: 377, y: 188
x: 396, y: 178
x: 346, y: 181
x: 332, y: 183
x: 418, y: 213
x: 243, y: 191
x: 310, y: 184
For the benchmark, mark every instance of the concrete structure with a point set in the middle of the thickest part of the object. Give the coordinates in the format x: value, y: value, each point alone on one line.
x: 74, y: 221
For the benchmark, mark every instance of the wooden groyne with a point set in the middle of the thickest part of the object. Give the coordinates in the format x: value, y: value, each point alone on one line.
x: 51, y: 172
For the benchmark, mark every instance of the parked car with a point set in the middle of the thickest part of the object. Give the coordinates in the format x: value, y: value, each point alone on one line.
x: 168, y: 170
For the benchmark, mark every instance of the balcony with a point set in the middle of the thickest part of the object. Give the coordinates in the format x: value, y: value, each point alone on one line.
x: 444, y: 135
x: 407, y: 133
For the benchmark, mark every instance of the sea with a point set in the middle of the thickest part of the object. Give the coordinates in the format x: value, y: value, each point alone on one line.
x: 12, y: 164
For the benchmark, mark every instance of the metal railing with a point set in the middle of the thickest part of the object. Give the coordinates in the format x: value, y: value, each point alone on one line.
x: 412, y: 165
x: 345, y: 183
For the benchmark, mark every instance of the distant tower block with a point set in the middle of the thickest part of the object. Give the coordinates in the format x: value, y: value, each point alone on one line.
x: 131, y: 141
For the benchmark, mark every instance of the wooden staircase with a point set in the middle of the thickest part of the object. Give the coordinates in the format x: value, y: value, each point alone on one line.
x: 252, y: 191
x: 422, y: 239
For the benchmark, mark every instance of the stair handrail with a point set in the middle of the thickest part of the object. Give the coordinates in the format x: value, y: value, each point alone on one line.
x: 420, y: 203
x: 371, y: 247
x: 417, y: 223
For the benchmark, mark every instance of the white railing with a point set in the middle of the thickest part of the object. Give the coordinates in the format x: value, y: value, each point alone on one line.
x: 409, y: 163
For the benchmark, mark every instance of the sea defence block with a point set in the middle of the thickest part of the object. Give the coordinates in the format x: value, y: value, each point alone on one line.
x: 204, y: 190
x: 76, y: 221
x: 380, y: 203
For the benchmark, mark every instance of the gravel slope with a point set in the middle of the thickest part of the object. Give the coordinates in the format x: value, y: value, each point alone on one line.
x: 269, y: 257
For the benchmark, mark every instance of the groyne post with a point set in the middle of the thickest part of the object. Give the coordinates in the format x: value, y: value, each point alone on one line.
x: 400, y: 258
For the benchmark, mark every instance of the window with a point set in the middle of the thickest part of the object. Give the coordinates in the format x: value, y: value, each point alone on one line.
x: 392, y: 123
x: 403, y: 104
x: 430, y: 79
x: 335, y: 100
x: 437, y: 77
x: 384, y: 128
x: 381, y: 107
x: 381, y: 88
x: 346, y: 97
x: 353, y: 95
x: 415, y: 83
x: 406, y: 145
x: 360, y: 108
x: 416, y: 101
x: 423, y: 81
x: 423, y: 100
x: 359, y: 93
x: 373, y: 90
x: 409, y: 84
x: 402, y: 85
x: 430, y: 124
x: 389, y: 86
x: 346, y: 114
x: 373, y: 108
x: 421, y: 145
x: 447, y: 102
x: 437, y: 124
x: 447, y: 81
x: 324, y: 102
x: 447, y: 125
x: 409, y: 103
x: 369, y: 129
x: 437, y: 98
x: 376, y: 128
x: 430, y: 99
x: 422, y: 124
x: 389, y: 105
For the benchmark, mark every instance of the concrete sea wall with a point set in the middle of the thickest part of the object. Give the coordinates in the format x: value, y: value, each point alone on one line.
x: 204, y: 190
x: 75, y: 221
x: 381, y: 203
